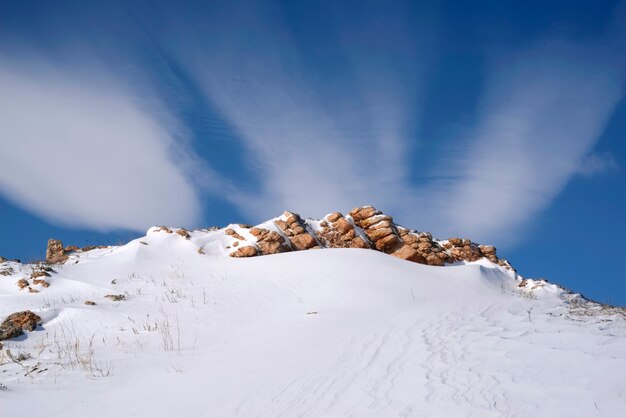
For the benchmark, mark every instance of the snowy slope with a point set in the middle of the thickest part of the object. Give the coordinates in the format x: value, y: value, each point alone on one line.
x: 329, y: 332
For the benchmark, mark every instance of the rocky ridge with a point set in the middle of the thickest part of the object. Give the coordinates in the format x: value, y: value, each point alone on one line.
x: 364, y: 227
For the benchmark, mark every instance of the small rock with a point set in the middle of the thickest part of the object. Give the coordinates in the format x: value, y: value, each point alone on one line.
x: 39, y: 273
x: 183, y: 233
x: 15, y: 323
x: 22, y: 283
x: 456, y: 242
x: 234, y: 234
x: 116, y: 298
x: 247, y: 251
x: 7, y: 271
x: 41, y: 282
x: 90, y: 303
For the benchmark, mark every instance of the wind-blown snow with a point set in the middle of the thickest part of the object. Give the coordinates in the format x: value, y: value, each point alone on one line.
x: 331, y: 332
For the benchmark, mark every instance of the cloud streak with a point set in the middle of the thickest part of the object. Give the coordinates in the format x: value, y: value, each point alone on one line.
x: 316, y: 150
x: 316, y: 146
x: 83, y: 151
x: 543, y: 111
x: 598, y: 163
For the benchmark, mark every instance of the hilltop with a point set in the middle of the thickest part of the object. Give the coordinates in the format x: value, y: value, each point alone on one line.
x: 346, y: 315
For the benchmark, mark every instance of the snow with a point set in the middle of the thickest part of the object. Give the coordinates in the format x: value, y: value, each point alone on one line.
x: 314, y: 333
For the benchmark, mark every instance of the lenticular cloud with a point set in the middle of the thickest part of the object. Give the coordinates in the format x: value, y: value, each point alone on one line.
x: 86, y: 153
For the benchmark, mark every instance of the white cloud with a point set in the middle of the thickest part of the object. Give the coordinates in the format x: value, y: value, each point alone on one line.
x: 315, y: 147
x: 598, y: 163
x: 79, y: 148
x: 544, y: 110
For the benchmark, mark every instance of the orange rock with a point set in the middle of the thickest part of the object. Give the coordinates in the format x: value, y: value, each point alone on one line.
x: 14, y: 324
x: 359, y: 214
x: 405, y: 252
x: 358, y: 242
x: 333, y: 217
x: 386, y: 242
x: 183, y: 233
x: 383, y: 221
x: 456, y: 242
x: 247, y: 251
x: 303, y: 241
x: 377, y: 234
x: 342, y: 225
x: 232, y: 233
x: 269, y: 242
x: 41, y: 282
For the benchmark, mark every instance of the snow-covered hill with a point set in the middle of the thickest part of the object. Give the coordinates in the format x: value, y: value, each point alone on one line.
x: 176, y: 327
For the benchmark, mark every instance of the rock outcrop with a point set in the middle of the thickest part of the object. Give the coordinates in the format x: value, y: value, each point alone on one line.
x: 363, y: 227
x: 15, y: 324
x: 269, y: 242
x: 338, y: 232
x: 464, y: 249
x: 429, y: 251
x: 383, y: 233
x: 55, y: 252
x: 296, y: 230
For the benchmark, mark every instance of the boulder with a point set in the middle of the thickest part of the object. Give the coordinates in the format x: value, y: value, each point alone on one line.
x: 55, y: 252
x: 15, y: 324
x: 269, y: 242
x: 247, y: 251
x: 362, y: 213
x: 334, y: 217
x: 359, y: 242
x: 406, y: 252
x: 303, y: 241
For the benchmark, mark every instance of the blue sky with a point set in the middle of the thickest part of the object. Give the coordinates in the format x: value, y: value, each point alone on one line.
x: 501, y: 121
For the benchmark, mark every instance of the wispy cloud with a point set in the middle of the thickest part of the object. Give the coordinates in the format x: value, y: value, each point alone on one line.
x: 80, y: 148
x: 316, y: 145
x: 543, y: 111
x: 598, y: 163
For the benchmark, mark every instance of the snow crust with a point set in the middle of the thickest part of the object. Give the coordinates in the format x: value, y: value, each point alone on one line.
x: 332, y: 332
